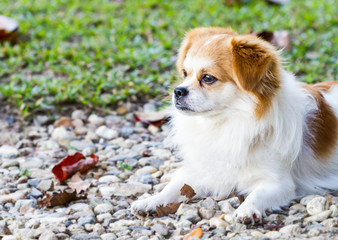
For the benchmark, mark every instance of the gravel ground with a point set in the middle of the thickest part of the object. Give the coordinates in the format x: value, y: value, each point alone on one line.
x: 135, y: 161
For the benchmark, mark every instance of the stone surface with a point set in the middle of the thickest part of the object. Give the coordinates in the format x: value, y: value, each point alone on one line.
x: 134, y: 162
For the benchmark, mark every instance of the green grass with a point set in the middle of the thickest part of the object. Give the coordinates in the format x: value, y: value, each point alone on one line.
x: 98, y: 52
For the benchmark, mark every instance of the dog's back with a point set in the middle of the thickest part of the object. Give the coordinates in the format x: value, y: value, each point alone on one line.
x: 316, y: 168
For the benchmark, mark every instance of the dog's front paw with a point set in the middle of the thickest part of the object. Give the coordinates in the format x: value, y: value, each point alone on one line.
x: 143, y: 207
x: 148, y: 206
x: 248, y: 215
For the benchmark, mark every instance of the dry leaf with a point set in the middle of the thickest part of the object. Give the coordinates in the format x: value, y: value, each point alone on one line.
x: 152, y: 118
x: 187, y: 191
x: 63, y: 121
x: 61, y: 198
x: 170, y: 208
x: 78, y: 184
x: 166, y: 210
x: 280, y: 39
x: 68, y: 166
x: 195, y: 233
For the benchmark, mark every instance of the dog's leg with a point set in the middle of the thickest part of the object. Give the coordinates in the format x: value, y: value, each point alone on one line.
x: 170, y: 194
x: 266, y: 195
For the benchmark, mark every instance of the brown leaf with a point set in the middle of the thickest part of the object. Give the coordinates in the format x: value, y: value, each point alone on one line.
x: 170, y: 208
x: 76, y: 183
x: 280, y: 39
x: 60, y: 198
x: 63, y: 121
x: 187, y: 191
x: 166, y: 210
x: 153, y: 118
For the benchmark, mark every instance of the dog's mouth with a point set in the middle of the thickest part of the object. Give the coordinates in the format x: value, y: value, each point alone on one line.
x: 183, y: 107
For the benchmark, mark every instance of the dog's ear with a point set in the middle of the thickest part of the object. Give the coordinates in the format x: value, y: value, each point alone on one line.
x: 194, y: 35
x: 255, y: 63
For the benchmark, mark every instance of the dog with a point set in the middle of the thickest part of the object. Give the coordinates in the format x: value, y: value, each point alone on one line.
x: 242, y: 123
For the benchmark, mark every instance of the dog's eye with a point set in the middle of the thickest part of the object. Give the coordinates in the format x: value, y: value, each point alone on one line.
x: 184, y: 73
x: 208, y: 79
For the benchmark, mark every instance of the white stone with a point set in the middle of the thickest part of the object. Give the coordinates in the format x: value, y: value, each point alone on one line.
x: 305, y: 200
x: 78, y: 207
x: 106, y: 133
x: 289, y: 229
x: 256, y: 234
x: 163, y: 154
x: 218, y: 223
x: 334, y: 210
x: 48, y: 145
x: 108, y: 236
x: 62, y: 136
x: 330, y: 222
x: 78, y: 114
x: 153, y: 129
x: 96, y: 120
x: 108, y: 179
x: 317, y: 205
x: 103, y: 208
x: 48, y: 235
x: 226, y: 207
x: 103, y: 216
x: 273, y: 235
x: 8, y: 151
x: 124, y: 189
x: 319, y: 217
x: 31, y: 163
x: 146, y: 169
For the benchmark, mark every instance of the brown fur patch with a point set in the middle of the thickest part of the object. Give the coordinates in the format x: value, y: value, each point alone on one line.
x: 323, y: 126
x: 195, y: 36
x: 325, y: 86
x: 256, y: 67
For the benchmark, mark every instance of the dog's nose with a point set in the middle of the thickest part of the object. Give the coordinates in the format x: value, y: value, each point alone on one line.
x: 180, y: 92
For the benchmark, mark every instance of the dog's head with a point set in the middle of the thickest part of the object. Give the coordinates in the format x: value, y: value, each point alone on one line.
x: 221, y: 69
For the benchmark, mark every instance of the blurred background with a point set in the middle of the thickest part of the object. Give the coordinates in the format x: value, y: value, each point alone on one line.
x: 97, y: 53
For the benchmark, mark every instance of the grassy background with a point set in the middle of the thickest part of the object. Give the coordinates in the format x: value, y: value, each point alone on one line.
x: 97, y: 52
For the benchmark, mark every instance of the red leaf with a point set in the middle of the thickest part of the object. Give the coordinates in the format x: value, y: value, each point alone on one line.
x: 72, y: 164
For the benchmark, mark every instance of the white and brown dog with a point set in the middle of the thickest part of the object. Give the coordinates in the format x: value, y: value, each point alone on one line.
x: 242, y: 123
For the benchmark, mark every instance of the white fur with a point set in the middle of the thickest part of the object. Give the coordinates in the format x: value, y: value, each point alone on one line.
x: 229, y: 149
